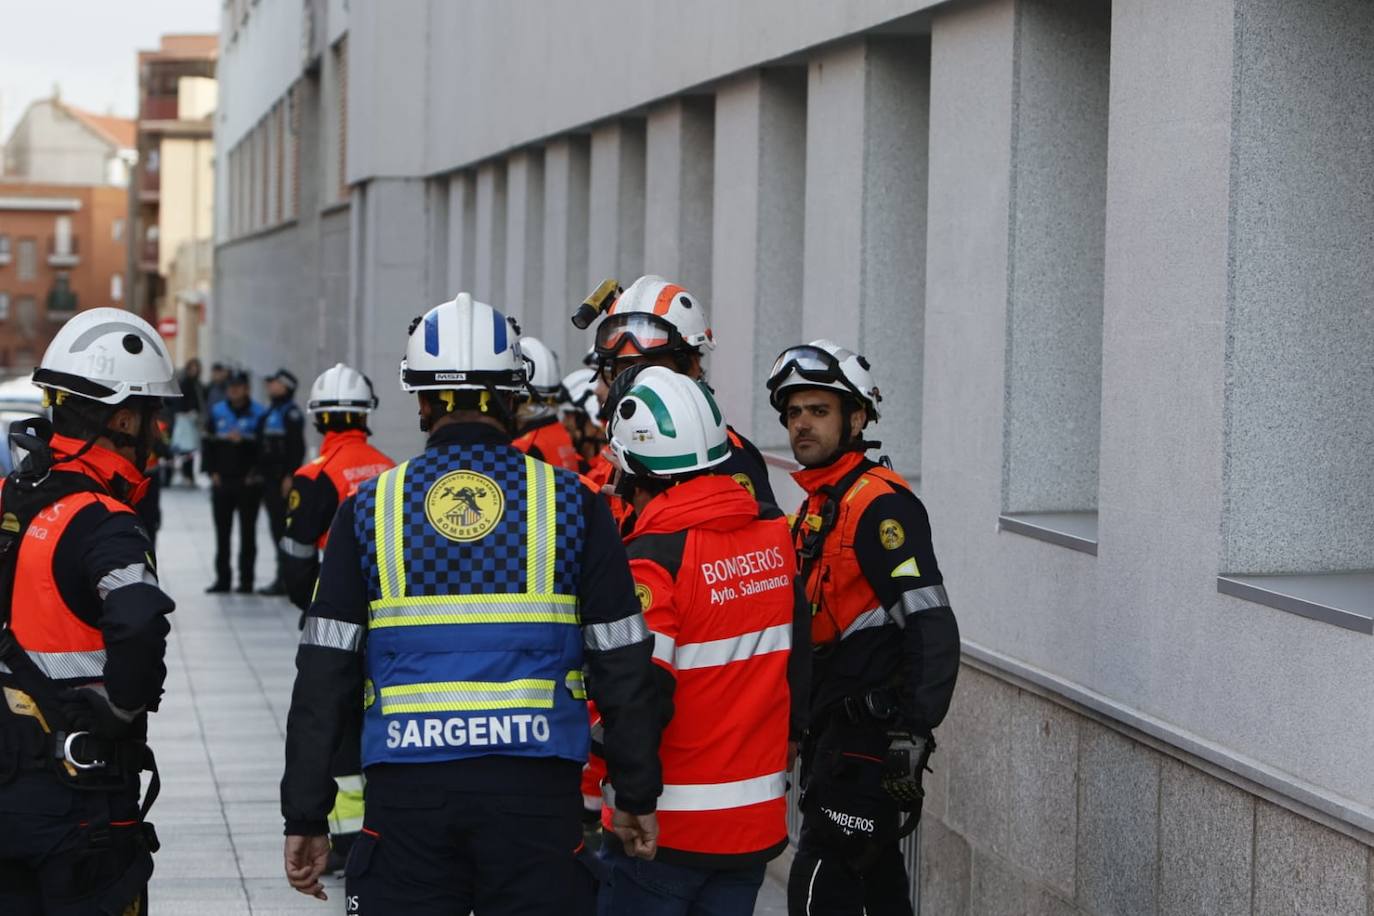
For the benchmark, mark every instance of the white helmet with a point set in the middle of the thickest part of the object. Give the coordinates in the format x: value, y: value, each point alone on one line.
x: 108, y: 355
x: 667, y: 424
x: 543, y: 366
x: 343, y: 389
x: 463, y: 344
x: 653, y: 316
x: 581, y: 393
x: 823, y: 364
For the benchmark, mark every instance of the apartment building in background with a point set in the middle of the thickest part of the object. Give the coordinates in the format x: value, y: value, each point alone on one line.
x: 1110, y: 260
x: 62, y: 248
x: 57, y: 143
x: 171, y: 195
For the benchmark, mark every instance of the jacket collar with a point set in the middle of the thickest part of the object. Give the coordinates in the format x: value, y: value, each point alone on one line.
x: 339, y: 438
x: 812, y: 479
x: 467, y: 434
x: 116, y: 474
x: 711, y: 501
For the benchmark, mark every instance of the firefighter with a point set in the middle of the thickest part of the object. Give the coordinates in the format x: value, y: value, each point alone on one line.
x: 83, y: 626
x: 460, y: 597
x: 340, y: 401
x: 658, y: 323
x: 578, y: 412
x: 231, y: 459
x: 715, y: 576
x: 541, y: 434
x: 886, y: 645
x: 281, y: 437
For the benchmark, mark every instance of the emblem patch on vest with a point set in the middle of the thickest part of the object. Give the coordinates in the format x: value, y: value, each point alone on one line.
x: 293, y: 501
x: 464, y: 505
x: 891, y: 533
x: 744, y: 481
x: 645, y: 596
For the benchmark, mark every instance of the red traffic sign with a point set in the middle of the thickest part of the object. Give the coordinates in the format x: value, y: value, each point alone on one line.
x: 167, y: 327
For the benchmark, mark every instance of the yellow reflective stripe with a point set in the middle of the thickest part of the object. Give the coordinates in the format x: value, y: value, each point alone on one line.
x: 540, y: 537
x: 461, y: 696
x: 347, y: 813
x: 576, y: 685
x: 389, y: 534
x: 426, y: 610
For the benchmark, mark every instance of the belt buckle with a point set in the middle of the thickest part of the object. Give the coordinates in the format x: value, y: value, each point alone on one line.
x: 69, y: 757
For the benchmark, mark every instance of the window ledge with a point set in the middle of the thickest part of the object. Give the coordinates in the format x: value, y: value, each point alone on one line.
x: 1074, y: 530
x: 1344, y: 599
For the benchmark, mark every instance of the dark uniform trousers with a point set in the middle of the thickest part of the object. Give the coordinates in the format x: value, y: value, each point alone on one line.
x: 275, y: 504
x: 57, y: 857
x: 429, y: 848
x: 236, y: 496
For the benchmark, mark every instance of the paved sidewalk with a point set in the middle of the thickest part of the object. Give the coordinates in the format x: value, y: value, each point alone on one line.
x: 219, y: 735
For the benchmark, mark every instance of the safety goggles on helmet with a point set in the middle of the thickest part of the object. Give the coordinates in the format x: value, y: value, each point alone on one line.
x: 639, y: 333
x: 823, y: 367
x: 811, y: 363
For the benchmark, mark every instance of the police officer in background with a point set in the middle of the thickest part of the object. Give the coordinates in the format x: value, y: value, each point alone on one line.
x: 715, y: 576
x: 83, y: 626
x: 231, y: 459
x: 340, y: 401
x: 885, y: 640
x: 281, y: 434
x: 461, y: 597
x: 658, y: 323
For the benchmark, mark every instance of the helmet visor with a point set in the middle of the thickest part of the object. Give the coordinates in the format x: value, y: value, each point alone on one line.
x: 637, y: 332
x: 811, y: 363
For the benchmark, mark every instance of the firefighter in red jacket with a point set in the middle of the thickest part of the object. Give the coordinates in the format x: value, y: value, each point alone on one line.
x: 540, y: 431
x: 886, y: 645
x: 340, y: 401
x: 714, y: 573
x: 83, y: 626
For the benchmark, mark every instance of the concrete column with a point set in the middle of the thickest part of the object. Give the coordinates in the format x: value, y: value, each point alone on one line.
x: 615, y: 242
x: 462, y: 232
x: 756, y: 262
x: 678, y: 177
x: 866, y: 145
x: 436, y: 207
x: 525, y: 237
x: 489, y: 283
x: 567, y: 176
x: 390, y: 289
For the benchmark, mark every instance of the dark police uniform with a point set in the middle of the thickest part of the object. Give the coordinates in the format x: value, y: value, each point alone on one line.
x: 461, y: 596
x: 886, y: 654
x: 87, y: 612
x: 235, y: 460
x: 281, y: 449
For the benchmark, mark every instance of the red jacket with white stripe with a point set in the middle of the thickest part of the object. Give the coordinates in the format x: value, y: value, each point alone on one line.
x: 716, y: 578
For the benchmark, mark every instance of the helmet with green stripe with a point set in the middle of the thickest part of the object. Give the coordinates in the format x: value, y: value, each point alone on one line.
x: 667, y: 425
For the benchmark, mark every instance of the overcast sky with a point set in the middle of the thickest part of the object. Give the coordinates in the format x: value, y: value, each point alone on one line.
x: 88, y: 47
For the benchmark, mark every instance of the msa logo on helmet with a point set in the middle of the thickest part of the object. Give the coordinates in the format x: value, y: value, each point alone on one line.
x: 464, y: 505
x: 450, y: 376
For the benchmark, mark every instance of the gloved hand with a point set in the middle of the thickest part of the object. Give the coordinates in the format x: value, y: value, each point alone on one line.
x: 94, y: 712
x: 904, y: 765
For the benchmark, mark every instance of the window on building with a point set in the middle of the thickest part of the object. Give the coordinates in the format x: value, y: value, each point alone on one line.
x: 4, y: 249
x: 154, y: 160
x: 28, y: 260
x: 61, y: 299
x: 117, y: 287
x: 117, y: 230
x: 4, y: 306
x: 26, y: 313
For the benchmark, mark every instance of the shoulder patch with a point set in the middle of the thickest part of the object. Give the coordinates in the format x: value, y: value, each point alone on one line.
x: 891, y: 533
x: 745, y: 481
x: 645, y: 596
x: 907, y: 567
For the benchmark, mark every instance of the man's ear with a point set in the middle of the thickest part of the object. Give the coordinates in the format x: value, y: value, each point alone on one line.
x: 859, y: 421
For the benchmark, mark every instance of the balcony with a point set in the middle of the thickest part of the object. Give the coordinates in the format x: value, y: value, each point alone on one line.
x: 148, y: 256
x: 61, y: 301
x: 159, y: 108
x: 63, y: 252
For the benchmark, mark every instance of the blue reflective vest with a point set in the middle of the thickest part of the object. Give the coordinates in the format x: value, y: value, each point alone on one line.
x: 472, y: 559
x: 275, y: 416
x: 223, y: 420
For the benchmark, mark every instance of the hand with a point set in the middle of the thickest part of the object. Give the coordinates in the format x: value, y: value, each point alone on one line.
x: 214, y: 479
x: 792, y: 748
x: 285, y: 487
x: 639, y: 833
x: 305, y: 858
x: 905, y: 766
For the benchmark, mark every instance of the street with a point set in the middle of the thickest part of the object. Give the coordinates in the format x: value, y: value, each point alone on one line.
x: 219, y: 734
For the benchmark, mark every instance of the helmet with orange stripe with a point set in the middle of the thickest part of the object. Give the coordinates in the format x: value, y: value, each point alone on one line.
x: 653, y: 318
